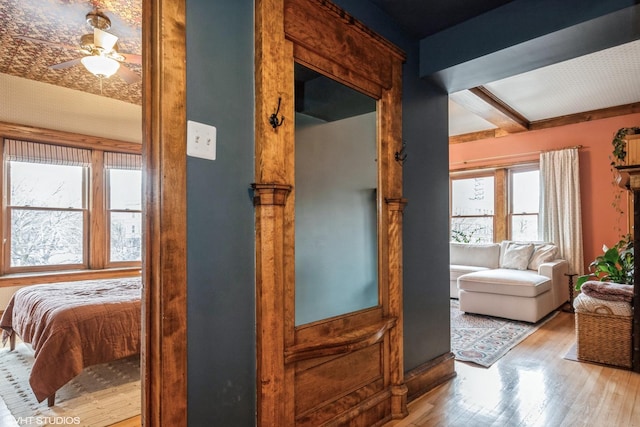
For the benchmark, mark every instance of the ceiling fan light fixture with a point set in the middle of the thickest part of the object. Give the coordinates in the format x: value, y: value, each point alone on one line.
x: 100, y: 66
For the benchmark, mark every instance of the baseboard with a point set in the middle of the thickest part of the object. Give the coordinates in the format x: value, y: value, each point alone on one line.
x: 429, y: 375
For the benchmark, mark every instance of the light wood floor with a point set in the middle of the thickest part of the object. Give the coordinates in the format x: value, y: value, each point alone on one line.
x: 532, y: 386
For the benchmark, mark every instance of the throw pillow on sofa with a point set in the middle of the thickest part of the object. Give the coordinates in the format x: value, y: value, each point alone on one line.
x: 542, y: 253
x: 517, y: 256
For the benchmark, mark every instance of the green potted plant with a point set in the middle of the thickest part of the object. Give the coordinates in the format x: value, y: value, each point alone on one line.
x: 615, y: 265
x: 619, y: 153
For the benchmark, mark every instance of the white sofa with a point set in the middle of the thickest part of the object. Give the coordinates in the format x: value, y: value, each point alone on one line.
x: 515, y: 280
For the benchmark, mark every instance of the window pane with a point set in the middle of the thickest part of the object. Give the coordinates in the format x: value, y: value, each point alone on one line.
x: 43, y: 185
x: 46, y: 237
x: 524, y: 227
x: 126, y: 189
x: 525, y: 190
x: 472, y: 230
x: 472, y: 196
x: 126, y: 238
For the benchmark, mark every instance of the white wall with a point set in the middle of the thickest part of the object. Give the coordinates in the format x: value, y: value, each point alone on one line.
x: 31, y: 103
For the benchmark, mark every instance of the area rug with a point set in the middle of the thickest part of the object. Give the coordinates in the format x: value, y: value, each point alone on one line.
x: 100, y: 396
x: 484, y: 339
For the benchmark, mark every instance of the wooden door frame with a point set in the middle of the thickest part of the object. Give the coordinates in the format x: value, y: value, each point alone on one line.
x: 323, y: 37
x: 164, y: 300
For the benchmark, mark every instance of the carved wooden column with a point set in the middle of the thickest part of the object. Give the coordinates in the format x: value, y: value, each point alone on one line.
x: 269, y: 200
x: 396, y: 359
x: 630, y: 179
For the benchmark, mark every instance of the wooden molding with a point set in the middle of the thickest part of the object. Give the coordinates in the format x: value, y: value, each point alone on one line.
x: 346, y: 342
x: 346, y: 369
x: 484, y: 104
x: 70, y: 139
x: 430, y: 375
x: 586, y: 116
x: 164, y: 298
x: 515, y: 122
x: 604, y: 113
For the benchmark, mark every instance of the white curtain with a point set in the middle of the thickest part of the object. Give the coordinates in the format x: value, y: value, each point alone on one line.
x: 560, y: 211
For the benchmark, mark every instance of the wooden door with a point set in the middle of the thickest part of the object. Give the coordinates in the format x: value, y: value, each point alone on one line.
x: 346, y: 369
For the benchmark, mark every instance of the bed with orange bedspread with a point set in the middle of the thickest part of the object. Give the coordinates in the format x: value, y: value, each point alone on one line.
x: 73, y: 325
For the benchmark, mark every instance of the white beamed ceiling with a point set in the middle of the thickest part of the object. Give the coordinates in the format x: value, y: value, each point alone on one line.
x: 603, y: 79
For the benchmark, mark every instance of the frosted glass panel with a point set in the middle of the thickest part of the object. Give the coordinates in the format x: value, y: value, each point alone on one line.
x: 335, y: 199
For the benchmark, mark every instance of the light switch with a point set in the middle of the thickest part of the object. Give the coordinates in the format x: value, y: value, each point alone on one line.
x: 201, y: 140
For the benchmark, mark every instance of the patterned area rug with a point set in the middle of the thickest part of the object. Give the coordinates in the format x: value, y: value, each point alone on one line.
x: 100, y: 396
x: 483, y: 339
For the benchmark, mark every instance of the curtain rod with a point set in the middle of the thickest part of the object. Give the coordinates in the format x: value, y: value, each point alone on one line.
x: 508, y: 156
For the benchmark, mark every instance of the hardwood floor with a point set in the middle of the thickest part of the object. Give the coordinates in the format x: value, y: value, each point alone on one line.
x: 533, y: 385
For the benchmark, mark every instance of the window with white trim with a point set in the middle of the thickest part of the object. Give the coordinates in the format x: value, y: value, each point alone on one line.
x: 495, y: 204
x: 472, y: 209
x: 524, y: 206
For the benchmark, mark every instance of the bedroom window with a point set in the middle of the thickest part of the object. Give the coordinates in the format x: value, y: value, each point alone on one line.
x: 70, y: 209
x: 46, y: 206
x: 124, y: 210
x: 472, y: 209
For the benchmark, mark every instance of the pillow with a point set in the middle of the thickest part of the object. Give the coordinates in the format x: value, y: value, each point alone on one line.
x: 516, y: 256
x: 541, y: 254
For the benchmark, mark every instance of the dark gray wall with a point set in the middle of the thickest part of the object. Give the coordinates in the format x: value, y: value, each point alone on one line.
x: 220, y: 216
x: 524, y: 35
x: 426, y: 186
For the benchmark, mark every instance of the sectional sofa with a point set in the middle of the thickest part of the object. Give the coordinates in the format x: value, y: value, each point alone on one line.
x: 515, y: 280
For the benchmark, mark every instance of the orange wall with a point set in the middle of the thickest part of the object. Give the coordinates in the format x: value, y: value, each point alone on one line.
x: 600, y: 223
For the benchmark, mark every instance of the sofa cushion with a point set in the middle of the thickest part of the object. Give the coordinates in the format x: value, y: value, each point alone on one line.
x: 523, y: 283
x: 543, y: 252
x: 456, y: 271
x: 517, y: 256
x: 475, y: 254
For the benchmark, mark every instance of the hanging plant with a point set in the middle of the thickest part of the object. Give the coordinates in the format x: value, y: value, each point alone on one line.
x: 618, y: 157
x: 620, y: 144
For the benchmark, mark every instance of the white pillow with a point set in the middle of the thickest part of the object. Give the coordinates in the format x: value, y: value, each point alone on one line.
x: 517, y: 256
x: 541, y: 254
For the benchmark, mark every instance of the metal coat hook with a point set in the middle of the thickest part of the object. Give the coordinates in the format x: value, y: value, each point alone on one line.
x: 273, y: 120
x: 401, y: 156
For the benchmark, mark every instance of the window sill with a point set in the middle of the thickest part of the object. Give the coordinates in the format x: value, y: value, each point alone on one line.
x: 23, y: 279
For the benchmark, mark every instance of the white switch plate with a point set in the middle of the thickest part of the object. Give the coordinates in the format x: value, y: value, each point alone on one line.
x: 201, y: 140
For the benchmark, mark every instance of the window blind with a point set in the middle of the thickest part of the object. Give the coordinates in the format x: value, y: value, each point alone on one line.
x: 122, y: 161
x: 36, y: 152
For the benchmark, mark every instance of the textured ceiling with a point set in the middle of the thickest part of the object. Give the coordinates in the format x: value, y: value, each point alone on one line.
x: 63, y: 22
x: 599, y: 80
x: 604, y: 79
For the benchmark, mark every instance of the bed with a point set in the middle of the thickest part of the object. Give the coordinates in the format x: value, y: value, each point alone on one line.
x: 73, y: 325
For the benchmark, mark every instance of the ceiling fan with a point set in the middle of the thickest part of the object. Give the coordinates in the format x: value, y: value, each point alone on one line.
x: 100, y: 50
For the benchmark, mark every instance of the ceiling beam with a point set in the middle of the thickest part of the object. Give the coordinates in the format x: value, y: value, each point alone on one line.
x: 586, y: 116
x: 524, y: 35
x: 480, y: 101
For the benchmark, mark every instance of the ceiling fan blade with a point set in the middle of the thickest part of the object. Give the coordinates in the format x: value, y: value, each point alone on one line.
x: 131, y: 58
x: 104, y: 40
x: 127, y: 75
x: 65, y: 64
x: 47, y: 43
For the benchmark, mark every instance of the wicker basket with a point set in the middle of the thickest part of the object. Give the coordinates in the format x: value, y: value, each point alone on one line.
x: 604, y: 338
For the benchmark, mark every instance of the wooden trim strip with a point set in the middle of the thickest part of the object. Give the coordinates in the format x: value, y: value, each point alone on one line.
x: 519, y: 122
x: 36, y: 134
x: 164, y: 297
x: 428, y: 376
x: 359, y: 26
x: 348, y: 342
x: 604, y: 113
